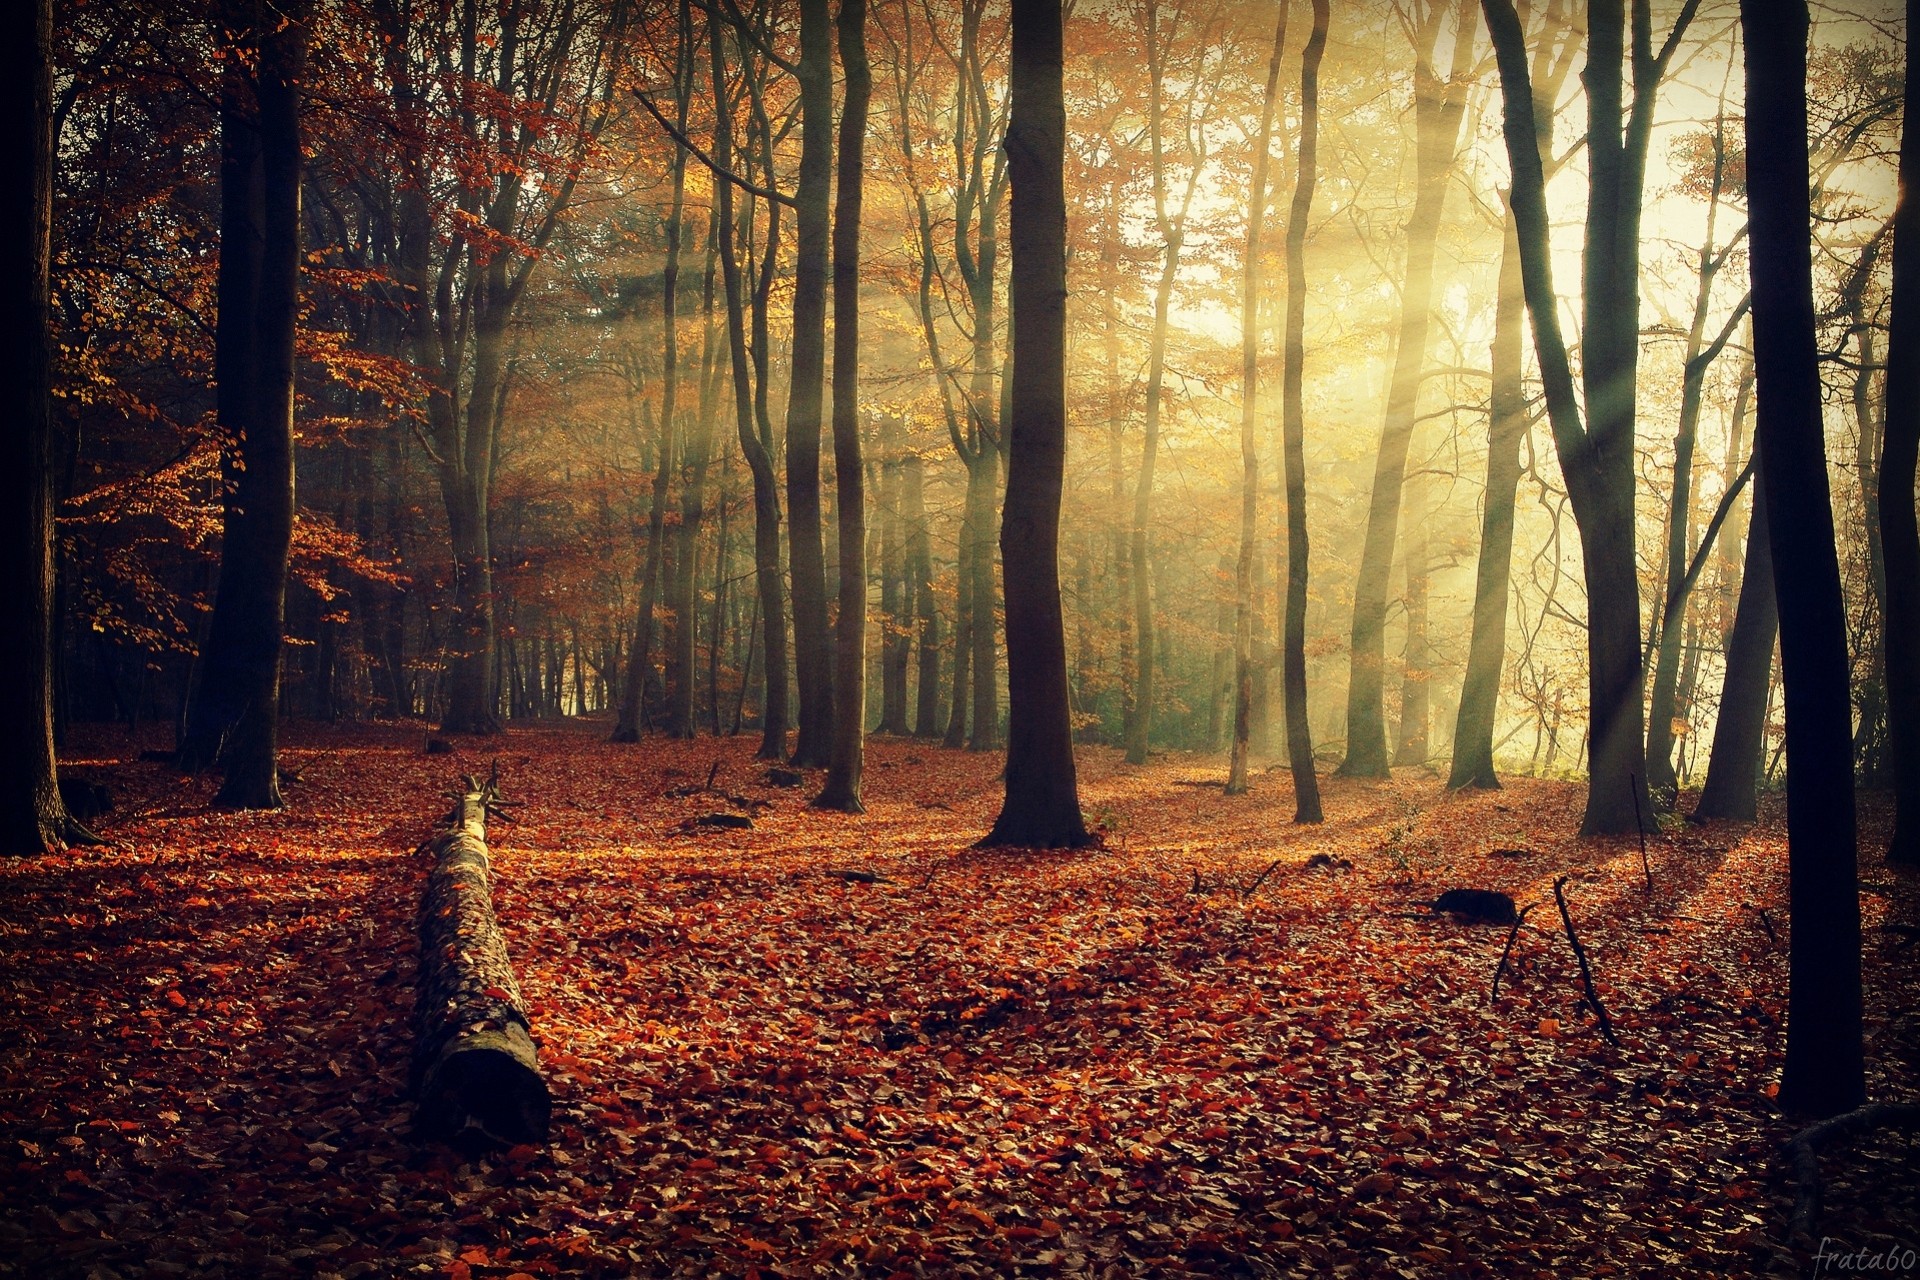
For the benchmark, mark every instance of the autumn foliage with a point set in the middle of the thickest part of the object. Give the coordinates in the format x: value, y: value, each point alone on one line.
x: 1115, y: 1061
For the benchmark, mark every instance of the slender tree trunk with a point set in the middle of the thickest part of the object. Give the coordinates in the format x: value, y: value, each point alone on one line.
x: 1245, y: 607
x: 1506, y: 430
x: 682, y: 605
x: 1438, y: 108
x: 33, y: 819
x: 1042, y: 805
x: 1416, y: 682
x: 233, y: 718
x: 1899, y: 531
x: 983, y: 477
x: 842, y: 789
x: 897, y: 597
x: 926, y: 700
x: 962, y: 700
x: 812, y: 641
x: 748, y: 406
x: 1306, y: 787
x: 1825, y: 1070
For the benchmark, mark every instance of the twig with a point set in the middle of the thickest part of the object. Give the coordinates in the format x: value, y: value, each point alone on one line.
x: 1803, y: 1149
x: 1640, y: 825
x: 1493, y: 996
x: 1248, y: 892
x: 1197, y: 886
x: 713, y: 773
x: 1765, y: 922
x: 1586, y: 973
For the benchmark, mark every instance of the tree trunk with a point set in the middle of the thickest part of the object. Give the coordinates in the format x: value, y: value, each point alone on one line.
x: 682, y: 604
x: 1042, y: 805
x: 983, y: 475
x: 1899, y: 530
x: 1438, y: 108
x: 812, y: 642
x: 475, y: 1074
x: 1416, y: 679
x: 1825, y: 1071
x: 926, y: 698
x: 1493, y: 575
x: 897, y: 598
x: 748, y: 406
x: 1245, y: 607
x: 961, y: 701
x: 235, y: 712
x: 1739, y: 729
x: 1306, y: 787
x: 34, y: 819
x: 842, y: 789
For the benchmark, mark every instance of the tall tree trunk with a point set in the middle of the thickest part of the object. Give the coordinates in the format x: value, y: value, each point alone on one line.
x: 1899, y: 530
x: 1245, y: 608
x: 1597, y: 454
x: 1042, y: 805
x: 806, y: 557
x: 842, y: 789
x: 1306, y: 787
x: 1493, y: 574
x: 33, y: 819
x: 1825, y: 1070
x: 1416, y: 682
x: 1438, y: 108
x: 749, y: 404
x: 926, y: 697
x: 234, y: 716
x: 983, y: 484
x: 681, y: 601
x: 961, y: 700
x: 896, y: 585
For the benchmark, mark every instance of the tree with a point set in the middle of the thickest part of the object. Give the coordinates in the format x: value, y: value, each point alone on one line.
x: 1739, y: 730
x: 1243, y: 617
x: 806, y: 558
x: 233, y: 713
x: 1306, y: 787
x: 753, y: 424
x: 1042, y: 804
x: 1509, y: 420
x: 1438, y: 108
x: 1825, y: 1070
x: 34, y: 818
x: 1597, y: 453
x: 842, y: 790
x: 1899, y: 531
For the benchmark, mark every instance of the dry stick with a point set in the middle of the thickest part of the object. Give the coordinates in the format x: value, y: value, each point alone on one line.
x: 713, y: 773
x: 1803, y: 1149
x: 1586, y: 973
x: 1248, y: 892
x: 1765, y: 922
x: 1640, y: 825
x: 1493, y: 997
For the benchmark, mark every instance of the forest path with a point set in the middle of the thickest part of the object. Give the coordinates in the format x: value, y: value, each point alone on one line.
x: 987, y: 1063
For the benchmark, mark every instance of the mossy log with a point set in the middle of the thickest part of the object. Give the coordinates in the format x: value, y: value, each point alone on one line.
x: 475, y: 1073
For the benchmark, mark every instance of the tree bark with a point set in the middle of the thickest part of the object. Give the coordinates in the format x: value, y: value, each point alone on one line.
x: 1493, y: 574
x: 1042, y: 804
x: 1306, y: 787
x: 1825, y: 1071
x: 926, y: 699
x: 33, y: 818
x: 897, y: 592
x: 842, y: 789
x: 1899, y: 530
x: 1438, y: 108
x: 749, y: 404
x: 812, y: 641
x: 683, y: 608
x: 233, y: 718
x: 1739, y: 729
x: 1244, y: 622
x: 475, y: 1073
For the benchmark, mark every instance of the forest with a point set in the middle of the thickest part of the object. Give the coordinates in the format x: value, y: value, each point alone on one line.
x: 960, y: 638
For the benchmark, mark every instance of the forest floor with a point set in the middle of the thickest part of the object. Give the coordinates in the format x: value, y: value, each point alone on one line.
x: 1114, y: 1062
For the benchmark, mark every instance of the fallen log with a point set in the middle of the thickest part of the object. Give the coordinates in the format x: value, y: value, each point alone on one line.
x: 475, y: 1074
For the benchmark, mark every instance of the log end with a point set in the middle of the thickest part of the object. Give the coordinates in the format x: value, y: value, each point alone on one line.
x: 484, y: 1088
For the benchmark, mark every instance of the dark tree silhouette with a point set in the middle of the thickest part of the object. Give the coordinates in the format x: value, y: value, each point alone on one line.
x: 1899, y: 451
x: 1042, y: 806
x: 33, y: 818
x: 842, y: 790
x: 1739, y: 730
x: 1825, y: 1072
x: 233, y: 713
x: 1293, y: 660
